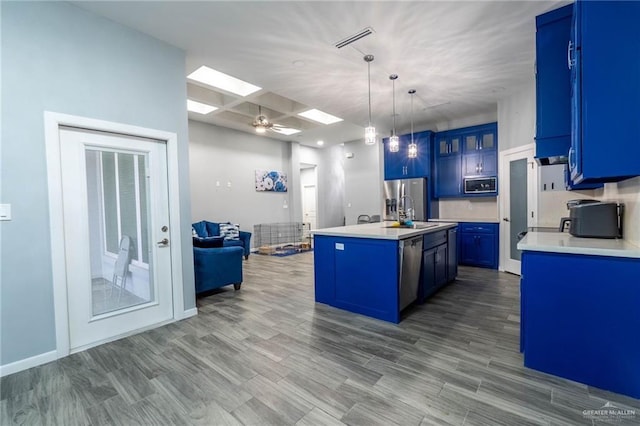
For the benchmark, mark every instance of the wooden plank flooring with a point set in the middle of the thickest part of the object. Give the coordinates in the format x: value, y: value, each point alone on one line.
x: 268, y: 355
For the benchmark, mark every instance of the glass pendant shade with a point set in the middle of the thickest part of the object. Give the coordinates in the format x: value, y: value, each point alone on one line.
x: 370, y: 130
x: 370, y: 135
x: 394, y: 140
x: 413, y: 147
x: 413, y: 150
x: 394, y: 143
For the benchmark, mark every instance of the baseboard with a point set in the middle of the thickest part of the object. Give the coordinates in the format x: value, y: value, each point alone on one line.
x: 188, y: 313
x: 26, y: 363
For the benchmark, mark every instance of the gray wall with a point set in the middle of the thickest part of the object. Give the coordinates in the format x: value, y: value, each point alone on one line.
x: 363, y: 180
x: 60, y: 58
x: 227, y: 156
x: 222, y: 155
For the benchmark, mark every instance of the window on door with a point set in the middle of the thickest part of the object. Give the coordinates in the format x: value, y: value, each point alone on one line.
x: 123, y: 183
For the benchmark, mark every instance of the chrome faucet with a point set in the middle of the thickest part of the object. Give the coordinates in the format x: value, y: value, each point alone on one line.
x: 405, y: 211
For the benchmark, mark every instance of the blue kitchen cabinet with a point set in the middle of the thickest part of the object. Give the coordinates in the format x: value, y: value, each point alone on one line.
x: 479, y: 244
x: 553, y: 86
x: 570, y: 186
x: 448, y: 181
x: 435, y: 263
x: 460, y: 153
x: 579, y: 318
x: 447, y: 144
x: 605, y: 65
x: 398, y: 165
x: 358, y: 274
x: 480, y: 164
x: 480, y: 138
x: 447, y: 164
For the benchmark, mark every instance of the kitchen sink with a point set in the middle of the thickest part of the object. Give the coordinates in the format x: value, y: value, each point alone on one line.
x: 416, y: 225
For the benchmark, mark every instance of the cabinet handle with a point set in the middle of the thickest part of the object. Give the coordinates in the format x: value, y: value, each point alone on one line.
x: 569, y: 48
x: 481, y: 167
x: 572, y: 162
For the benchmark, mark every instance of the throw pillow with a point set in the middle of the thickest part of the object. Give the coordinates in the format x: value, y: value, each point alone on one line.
x: 230, y: 231
x: 209, y: 242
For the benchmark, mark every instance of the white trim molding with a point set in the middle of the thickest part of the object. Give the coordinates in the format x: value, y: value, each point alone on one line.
x: 188, y: 313
x: 52, y: 122
x: 27, y: 363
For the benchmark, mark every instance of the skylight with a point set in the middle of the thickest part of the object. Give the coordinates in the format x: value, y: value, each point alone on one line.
x: 320, y: 117
x: 285, y: 130
x: 222, y: 81
x: 199, y: 107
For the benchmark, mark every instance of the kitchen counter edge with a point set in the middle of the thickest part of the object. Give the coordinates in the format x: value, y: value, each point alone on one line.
x: 557, y: 242
x: 379, y: 232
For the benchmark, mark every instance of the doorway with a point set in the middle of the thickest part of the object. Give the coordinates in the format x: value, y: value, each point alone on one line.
x: 308, y: 184
x: 114, y: 264
x: 518, y: 206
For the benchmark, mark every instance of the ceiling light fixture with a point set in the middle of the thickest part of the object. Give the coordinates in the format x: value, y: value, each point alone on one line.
x: 320, y: 143
x: 319, y: 116
x: 394, y: 140
x: 287, y: 131
x: 199, y: 107
x: 222, y: 81
x: 370, y: 130
x: 413, y: 148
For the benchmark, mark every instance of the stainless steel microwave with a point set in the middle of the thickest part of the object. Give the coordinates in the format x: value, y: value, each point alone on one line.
x: 484, y: 185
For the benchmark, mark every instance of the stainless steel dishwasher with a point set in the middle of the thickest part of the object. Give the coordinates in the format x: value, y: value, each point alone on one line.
x: 410, y: 261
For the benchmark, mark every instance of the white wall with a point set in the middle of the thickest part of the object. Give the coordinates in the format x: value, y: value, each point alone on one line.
x: 469, y: 208
x: 363, y: 180
x: 58, y: 57
x: 517, y: 117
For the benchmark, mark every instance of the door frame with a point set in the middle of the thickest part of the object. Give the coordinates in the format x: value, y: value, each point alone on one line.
x: 52, y: 123
x: 532, y: 195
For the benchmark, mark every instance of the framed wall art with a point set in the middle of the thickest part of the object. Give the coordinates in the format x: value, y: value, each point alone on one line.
x: 272, y: 181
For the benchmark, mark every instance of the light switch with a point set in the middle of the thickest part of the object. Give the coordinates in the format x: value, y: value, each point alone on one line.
x: 5, y: 211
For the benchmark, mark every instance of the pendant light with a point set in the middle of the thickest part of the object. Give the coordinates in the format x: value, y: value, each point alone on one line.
x: 394, y: 140
x: 413, y: 148
x: 369, y: 131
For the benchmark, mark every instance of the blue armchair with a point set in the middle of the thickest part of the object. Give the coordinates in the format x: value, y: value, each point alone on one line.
x: 206, y: 229
x: 217, y: 267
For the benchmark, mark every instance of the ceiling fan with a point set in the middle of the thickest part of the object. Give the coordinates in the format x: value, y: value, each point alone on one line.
x: 262, y: 124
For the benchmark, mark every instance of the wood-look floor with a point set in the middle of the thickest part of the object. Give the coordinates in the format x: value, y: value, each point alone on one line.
x: 268, y: 355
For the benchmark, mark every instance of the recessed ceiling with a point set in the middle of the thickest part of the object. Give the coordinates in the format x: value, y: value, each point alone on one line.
x: 461, y: 57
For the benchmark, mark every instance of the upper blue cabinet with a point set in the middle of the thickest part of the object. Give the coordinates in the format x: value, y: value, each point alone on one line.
x: 553, y: 86
x: 470, y: 152
x: 398, y: 165
x: 604, y: 56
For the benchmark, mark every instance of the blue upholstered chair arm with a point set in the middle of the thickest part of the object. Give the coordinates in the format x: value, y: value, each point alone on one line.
x: 217, y: 267
x: 245, y: 237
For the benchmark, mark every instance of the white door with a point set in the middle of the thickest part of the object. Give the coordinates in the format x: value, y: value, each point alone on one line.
x: 309, y: 205
x: 116, y: 234
x: 518, y: 194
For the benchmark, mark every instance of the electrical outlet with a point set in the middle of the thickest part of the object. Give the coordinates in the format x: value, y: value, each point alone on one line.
x: 217, y: 183
x: 229, y: 184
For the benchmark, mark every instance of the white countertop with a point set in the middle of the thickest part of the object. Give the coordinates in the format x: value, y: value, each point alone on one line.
x: 379, y: 231
x: 477, y: 220
x: 563, y: 242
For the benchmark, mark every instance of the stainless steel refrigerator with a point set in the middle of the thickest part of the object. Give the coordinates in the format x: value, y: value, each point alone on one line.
x: 395, y: 190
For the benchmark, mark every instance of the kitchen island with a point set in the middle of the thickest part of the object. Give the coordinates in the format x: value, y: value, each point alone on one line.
x: 580, y: 309
x: 377, y: 270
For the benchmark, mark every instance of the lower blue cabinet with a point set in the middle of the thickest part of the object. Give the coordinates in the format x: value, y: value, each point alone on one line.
x: 579, y: 318
x: 479, y: 244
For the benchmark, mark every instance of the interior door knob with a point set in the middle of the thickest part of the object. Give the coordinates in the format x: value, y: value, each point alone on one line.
x: 163, y: 242
x: 506, y: 219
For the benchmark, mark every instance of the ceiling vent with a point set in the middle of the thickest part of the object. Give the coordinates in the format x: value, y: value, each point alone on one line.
x: 355, y: 37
